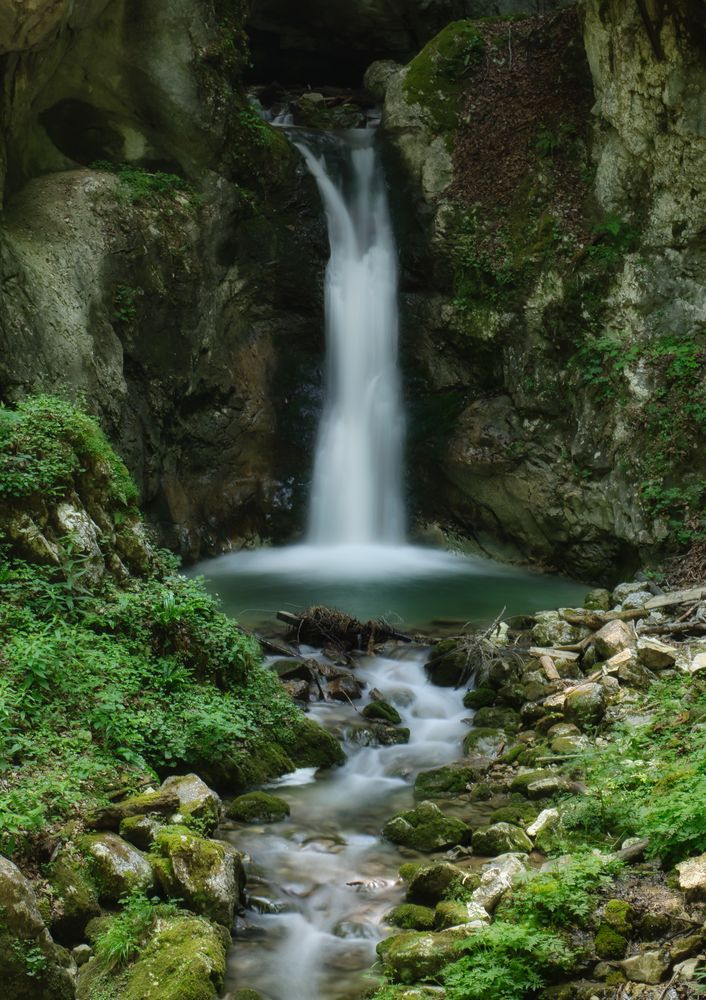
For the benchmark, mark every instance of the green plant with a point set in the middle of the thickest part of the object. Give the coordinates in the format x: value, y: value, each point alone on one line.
x: 125, y: 303
x: 127, y: 932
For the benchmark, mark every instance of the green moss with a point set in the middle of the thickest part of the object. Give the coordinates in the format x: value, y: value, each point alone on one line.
x: 426, y: 828
x: 75, y: 890
x: 443, y: 782
x: 258, y: 807
x: 620, y: 915
x: 498, y: 718
x: 436, y: 79
x: 481, y: 697
x: 383, y: 711
x: 609, y: 944
x: 193, y: 869
x: 184, y: 961
x: 310, y: 745
x: 450, y: 913
x: 411, y: 917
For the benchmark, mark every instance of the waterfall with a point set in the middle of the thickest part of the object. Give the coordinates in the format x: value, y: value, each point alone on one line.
x: 357, y: 483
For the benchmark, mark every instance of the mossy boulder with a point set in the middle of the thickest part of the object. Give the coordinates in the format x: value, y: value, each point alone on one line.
x: 313, y: 746
x: 32, y: 967
x: 411, y: 917
x: 522, y: 781
x: 487, y: 742
x: 382, y: 711
x: 498, y: 718
x: 75, y: 893
x: 609, y: 944
x: 620, y: 915
x: 426, y: 828
x: 257, y: 807
x: 481, y: 697
x: 206, y: 874
x: 585, y: 705
x: 443, y: 782
x: 141, y: 830
x: 160, y: 802
x: 500, y: 838
x: 429, y: 884
x: 417, y: 956
x: 597, y: 600
x: 448, y: 664
x: 247, y: 995
x: 450, y: 913
x: 117, y: 867
x: 518, y: 813
x: 198, y: 805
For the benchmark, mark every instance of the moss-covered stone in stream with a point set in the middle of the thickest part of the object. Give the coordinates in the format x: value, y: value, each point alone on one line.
x: 488, y: 742
x: 498, y: 718
x: 429, y: 884
x: 310, y: 745
x: 500, y: 838
x: 411, y: 917
x: 426, y: 828
x: 437, y: 77
x: 257, y: 807
x: 443, y: 782
x: 479, y: 698
x: 413, y: 956
x: 383, y: 711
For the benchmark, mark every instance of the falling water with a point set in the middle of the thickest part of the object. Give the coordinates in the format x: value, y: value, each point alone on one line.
x: 357, y: 494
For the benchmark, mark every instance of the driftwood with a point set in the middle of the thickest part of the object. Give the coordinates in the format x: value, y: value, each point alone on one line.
x: 320, y: 626
x: 676, y: 597
x: 597, y: 619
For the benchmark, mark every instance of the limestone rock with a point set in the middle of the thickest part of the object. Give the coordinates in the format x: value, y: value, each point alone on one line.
x: 500, y: 838
x: 613, y: 638
x: 23, y: 933
x: 413, y: 956
x: 429, y: 883
x: 426, y: 828
x: 692, y: 877
x: 586, y: 704
x: 496, y: 878
x: 196, y: 801
x: 207, y: 874
x: 624, y: 590
x: 655, y: 654
x: 648, y: 967
x: 120, y: 868
x: 486, y: 742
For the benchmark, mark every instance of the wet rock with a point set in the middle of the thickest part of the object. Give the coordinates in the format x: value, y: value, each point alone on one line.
x: 655, y: 654
x: 551, y: 630
x: 118, y: 866
x: 23, y: 933
x: 487, y: 742
x: 258, y: 807
x: 585, y: 705
x: 448, y: 664
x: 443, y: 782
x: 497, y: 718
x: 429, y: 883
x: 614, y: 638
x: 206, y: 874
x: 692, y: 877
x: 197, y: 802
x: 344, y: 689
x: 450, y: 913
x: 649, y: 967
x: 597, y: 600
x: 297, y: 690
x: 426, y: 828
x: 411, y: 917
x: 500, y: 838
x: 383, y: 711
x: 481, y: 697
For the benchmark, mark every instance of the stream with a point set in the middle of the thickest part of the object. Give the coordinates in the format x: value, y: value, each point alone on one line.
x: 321, y: 881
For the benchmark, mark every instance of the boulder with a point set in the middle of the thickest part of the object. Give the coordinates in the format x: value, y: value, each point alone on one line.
x: 692, y: 877
x: 500, y: 838
x: 443, y: 782
x: 498, y: 718
x: 547, y: 820
x: 258, y: 807
x: 199, y: 805
x: 613, y: 638
x: 597, y: 600
x: 638, y: 599
x: 344, y: 689
x: 119, y: 868
x: 648, y: 967
x: 655, y: 654
x: 623, y: 590
x: 75, y: 893
x: 162, y: 803
x: 206, y: 874
x: 585, y: 704
x: 141, y: 830
x: 495, y: 880
x: 479, y: 698
x: 487, y: 742
x: 426, y: 828
x: 451, y: 913
x: 411, y: 917
x: 32, y: 967
x: 415, y: 956
x: 430, y: 883
x: 378, y: 77
x: 383, y: 711
x: 550, y: 629
x: 448, y: 664
x: 609, y: 943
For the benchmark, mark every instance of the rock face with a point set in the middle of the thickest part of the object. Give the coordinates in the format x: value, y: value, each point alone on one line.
x: 148, y: 292
x: 498, y: 330
x: 32, y: 966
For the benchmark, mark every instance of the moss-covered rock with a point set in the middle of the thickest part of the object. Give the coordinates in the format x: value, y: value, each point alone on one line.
x: 500, y: 838
x: 140, y: 830
x: 443, y: 782
x: 258, y: 807
x: 620, y: 915
x: 414, y: 956
x: 247, y: 995
x: 310, y: 745
x: 75, y: 893
x: 426, y: 828
x: 448, y: 664
x: 481, y: 697
x: 198, y: 805
x: 487, y: 742
x: 161, y: 802
x: 518, y: 813
x: 498, y: 718
x: 428, y: 884
x: 450, y: 913
x: 32, y: 967
x: 383, y: 711
x: 206, y: 874
x: 411, y: 917
x: 609, y: 944
x: 117, y: 867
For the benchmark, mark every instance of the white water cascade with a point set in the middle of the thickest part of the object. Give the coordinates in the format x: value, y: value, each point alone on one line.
x: 357, y: 484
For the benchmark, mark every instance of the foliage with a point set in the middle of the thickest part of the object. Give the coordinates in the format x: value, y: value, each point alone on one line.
x: 46, y: 443
x: 138, y: 185
x: 650, y: 780
x: 125, y: 303
x: 564, y: 895
x: 126, y: 933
